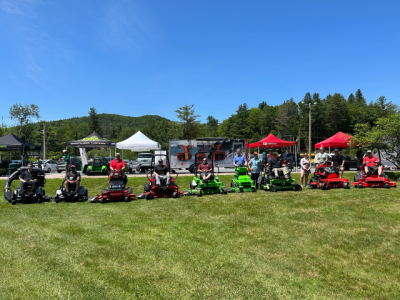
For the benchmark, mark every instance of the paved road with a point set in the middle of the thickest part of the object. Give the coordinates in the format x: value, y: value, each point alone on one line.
x: 224, y: 171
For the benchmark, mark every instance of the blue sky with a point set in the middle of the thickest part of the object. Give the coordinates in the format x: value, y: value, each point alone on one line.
x: 136, y: 57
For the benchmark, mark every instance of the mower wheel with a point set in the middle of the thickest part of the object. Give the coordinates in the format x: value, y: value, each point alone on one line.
x: 224, y: 191
x: 199, y: 193
x: 127, y: 199
x: 232, y: 184
x: 101, y: 200
x: 56, y: 199
x: 146, y: 187
x: 105, y: 171
x: 149, y: 196
x: 360, y: 185
x: 40, y: 199
x: 297, y: 187
x: 324, y: 186
x: 175, y: 195
x: 88, y: 172
x: 387, y: 185
x: 129, y: 190
x: 241, y: 190
x: 346, y: 185
x: 385, y: 176
x: 253, y: 189
x: 356, y: 178
x: 272, y: 188
x: 13, y: 202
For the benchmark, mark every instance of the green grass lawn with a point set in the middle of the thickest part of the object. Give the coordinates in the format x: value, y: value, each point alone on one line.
x: 336, y: 244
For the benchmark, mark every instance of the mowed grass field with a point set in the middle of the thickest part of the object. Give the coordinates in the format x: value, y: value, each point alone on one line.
x: 336, y: 244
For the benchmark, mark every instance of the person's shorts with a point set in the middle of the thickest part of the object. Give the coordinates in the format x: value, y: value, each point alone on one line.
x: 304, y: 172
x: 204, y: 174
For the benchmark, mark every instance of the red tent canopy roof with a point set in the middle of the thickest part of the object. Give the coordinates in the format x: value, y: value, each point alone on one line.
x: 339, y: 140
x: 271, y: 141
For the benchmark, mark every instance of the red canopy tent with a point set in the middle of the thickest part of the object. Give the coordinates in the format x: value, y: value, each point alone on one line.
x: 339, y: 140
x: 271, y: 141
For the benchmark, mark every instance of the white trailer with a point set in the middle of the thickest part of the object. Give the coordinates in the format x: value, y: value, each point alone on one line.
x: 184, y: 152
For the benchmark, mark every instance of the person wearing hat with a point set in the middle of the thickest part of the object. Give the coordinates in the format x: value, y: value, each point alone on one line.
x: 371, y: 161
x: 255, y: 168
x: 73, y: 179
x: 277, y: 165
x: 118, y: 164
x: 338, y: 161
x: 239, y: 159
x: 67, y: 160
x: 161, y: 172
x: 321, y: 157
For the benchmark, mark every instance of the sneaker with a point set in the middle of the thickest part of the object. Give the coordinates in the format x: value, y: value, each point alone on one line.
x: 302, y: 186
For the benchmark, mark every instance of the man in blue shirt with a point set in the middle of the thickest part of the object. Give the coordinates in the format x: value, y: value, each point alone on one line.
x: 255, y: 168
x: 239, y: 159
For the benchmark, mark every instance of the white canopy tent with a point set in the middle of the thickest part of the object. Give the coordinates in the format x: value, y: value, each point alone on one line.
x: 138, y: 142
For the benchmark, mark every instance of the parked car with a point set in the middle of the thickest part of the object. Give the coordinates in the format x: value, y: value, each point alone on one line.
x: 48, y: 165
x: 133, y: 166
x: 350, y: 163
x: 4, y: 166
x: 74, y: 161
x: 145, y: 161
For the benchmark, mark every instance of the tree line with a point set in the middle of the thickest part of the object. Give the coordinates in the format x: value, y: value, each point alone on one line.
x: 287, y: 120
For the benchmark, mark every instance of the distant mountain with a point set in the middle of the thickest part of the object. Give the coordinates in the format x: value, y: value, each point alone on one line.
x: 108, y: 121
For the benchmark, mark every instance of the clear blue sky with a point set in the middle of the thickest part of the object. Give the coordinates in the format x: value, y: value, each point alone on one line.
x: 136, y: 57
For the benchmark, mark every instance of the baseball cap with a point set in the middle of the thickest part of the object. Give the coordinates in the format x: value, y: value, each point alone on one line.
x: 369, y: 151
x: 117, y: 154
x: 336, y: 150
x: 160, y: 160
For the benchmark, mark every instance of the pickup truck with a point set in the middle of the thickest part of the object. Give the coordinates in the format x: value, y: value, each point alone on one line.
x: 144, y: 161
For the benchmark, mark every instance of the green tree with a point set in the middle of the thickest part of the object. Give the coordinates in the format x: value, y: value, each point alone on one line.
x: 191, y: 127
x: 287, y: 114
x: 384, y: 136
x: 93, y: 122
x: 212, y: 126
x: 336, y: 116
x: 23, y: 114
x: 351, y: 99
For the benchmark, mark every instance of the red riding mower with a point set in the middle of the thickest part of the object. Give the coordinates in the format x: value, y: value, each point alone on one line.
x: 116, y: 189
x: 371, y: 179
x: 326, y: 177
x: 164, y: 190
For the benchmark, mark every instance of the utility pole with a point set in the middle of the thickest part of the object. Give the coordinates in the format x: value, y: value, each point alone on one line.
x: 44, y: 141
x: 309, y: 129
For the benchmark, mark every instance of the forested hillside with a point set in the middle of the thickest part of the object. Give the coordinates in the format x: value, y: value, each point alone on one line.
x: 287, y: 120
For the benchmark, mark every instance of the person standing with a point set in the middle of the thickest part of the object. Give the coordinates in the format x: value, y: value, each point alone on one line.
x: 338, y: 161
x: 321, y: 157
x: 67, y: 160
x: 255, y: 168
x: 239, y: 159
x: 305, y: 164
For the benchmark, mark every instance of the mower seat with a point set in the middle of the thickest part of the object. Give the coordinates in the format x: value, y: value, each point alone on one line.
x: 97, y: 163
x: 372, y: 171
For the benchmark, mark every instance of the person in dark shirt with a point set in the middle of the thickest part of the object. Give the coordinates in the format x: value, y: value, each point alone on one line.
x: 28, y: 177
x: 73, y: 179
x: 277, y: 165
x: 205, y: 169
x: 338, y: 161
x: 161, y: 172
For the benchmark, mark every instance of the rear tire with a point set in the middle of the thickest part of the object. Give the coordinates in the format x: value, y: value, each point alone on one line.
x: 149, y: 196
x: 129, y: 190
x: 147, y: 187
x: 199, y: 193
x: 48, y: 170
x: 58, y: 171
x: 224, y: 191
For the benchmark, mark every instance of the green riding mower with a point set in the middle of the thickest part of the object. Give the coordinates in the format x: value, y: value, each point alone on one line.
x: 242, y: 181
x: 98, y: 165
x: 284, y: 182
x: 200, y: 187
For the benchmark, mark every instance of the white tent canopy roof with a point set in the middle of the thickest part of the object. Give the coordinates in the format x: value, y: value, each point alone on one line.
x: 138, y: 142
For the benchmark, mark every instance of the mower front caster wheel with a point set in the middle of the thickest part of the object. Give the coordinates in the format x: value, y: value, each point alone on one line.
x: 199, y: 193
